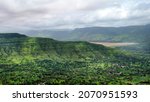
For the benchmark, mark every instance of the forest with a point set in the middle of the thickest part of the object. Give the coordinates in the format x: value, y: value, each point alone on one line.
x: 38, y: 61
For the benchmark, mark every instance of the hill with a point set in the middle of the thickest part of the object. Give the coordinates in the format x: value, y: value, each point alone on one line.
x: 19, y: 45
x: 32, y: 60
x: 128, y: 33
x: 11, y: 35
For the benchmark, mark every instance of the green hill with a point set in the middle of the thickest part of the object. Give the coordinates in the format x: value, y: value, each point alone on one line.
x: 11, y: 35
x: 31, y: 60
x: 12, y: 47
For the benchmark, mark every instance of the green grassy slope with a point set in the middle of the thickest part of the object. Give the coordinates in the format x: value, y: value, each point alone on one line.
x: 29, y: 60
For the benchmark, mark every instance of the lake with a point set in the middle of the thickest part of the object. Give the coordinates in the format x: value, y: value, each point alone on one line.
x: 115, y: 44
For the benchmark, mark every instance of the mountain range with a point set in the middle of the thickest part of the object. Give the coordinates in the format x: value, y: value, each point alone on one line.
x: 136, y: 34
x: 129, y: 33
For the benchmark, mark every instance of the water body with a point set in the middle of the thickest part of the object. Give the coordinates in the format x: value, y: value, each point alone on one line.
x: 115, y: 44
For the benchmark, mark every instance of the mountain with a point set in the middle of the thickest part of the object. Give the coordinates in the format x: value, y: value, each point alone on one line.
x: 128, y: 33
x: 137, y: 34
x: 34, y: 60
x: 120, y: 34
x: 11, y: 35
x: 15, y: 45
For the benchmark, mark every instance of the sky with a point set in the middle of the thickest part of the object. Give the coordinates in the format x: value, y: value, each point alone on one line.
x: 16, y: 15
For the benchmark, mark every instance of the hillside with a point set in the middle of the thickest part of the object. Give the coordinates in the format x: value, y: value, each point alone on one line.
x: 22, y: 46
x: 32, y: 60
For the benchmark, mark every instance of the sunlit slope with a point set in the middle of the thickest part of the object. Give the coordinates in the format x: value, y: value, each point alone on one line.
x: 20, y: 48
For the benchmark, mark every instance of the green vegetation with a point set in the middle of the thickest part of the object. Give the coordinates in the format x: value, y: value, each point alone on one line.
x: 29, y: 60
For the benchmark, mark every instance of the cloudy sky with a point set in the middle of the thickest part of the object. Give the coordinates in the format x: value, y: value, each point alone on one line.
x: 48, y: 14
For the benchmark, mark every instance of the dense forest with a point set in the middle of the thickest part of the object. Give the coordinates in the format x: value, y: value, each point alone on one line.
x: 33, y: 60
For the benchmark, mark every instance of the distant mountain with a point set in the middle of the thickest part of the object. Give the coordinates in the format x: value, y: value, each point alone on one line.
x: 137, y: 34
x: 11, y: 35
x: 121, y: 34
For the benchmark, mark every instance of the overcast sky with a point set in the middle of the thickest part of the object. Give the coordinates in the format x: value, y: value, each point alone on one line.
x: 48, y: 14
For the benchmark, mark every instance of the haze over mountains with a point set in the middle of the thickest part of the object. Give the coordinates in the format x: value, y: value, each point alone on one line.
x: 134, y: 34
x: 128, y: 33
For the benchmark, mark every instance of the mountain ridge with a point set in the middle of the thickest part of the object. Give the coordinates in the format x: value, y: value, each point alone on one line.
x: 36, y: 47
x: 11, y: 35
x: 126, y: 33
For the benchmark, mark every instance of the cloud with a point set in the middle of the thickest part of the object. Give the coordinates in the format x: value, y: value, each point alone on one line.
x: 47, y: 14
